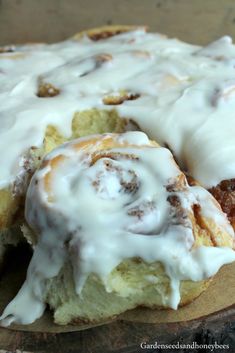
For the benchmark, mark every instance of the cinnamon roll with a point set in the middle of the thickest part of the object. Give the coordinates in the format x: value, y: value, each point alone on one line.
x: 22, y: 89
x: 114, y: 79
x: 100, y: 80
x: 115, y: 225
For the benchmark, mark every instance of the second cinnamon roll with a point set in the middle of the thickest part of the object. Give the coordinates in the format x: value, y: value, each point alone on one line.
x: 115, y: 225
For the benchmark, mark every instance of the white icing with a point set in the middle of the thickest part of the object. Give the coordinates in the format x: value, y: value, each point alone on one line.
x: 96, y: 214
x: 185, y: 99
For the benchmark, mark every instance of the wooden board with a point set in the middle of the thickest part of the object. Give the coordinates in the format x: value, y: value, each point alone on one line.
x: 126, y: 334
x: 120, y: 337
x: 214, y: 299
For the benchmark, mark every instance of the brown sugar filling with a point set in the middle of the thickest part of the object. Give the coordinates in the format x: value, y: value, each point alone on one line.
x: 103, y: 35
x: 224, y: 193
x: 112, y: 100
x: 47, y: 90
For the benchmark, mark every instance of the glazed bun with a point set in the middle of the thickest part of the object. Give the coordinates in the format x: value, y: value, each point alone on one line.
x: 112, y: 219
x: 115, y: 225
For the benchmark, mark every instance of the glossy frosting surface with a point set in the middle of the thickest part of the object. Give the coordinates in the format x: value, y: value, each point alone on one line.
x: 95, y: 207
x: 186, y: 96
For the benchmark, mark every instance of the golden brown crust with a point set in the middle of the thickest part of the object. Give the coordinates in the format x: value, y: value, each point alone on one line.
x: 106, y: 31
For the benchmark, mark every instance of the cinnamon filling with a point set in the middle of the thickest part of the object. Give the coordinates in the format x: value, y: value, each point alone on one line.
x: 99, y: 60
x: 116, y: 100
x: 224, y: 193
x: 142, y: 210
x: 47, y: 90
x: 178, y: 213
x: 103, y: 35
x: 128, y: 183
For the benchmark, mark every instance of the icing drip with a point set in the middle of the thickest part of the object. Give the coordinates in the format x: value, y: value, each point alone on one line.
x: 184, y: 96
x: 96, y: 206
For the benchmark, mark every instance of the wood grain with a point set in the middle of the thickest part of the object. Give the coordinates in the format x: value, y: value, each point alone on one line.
x: 120, y: 337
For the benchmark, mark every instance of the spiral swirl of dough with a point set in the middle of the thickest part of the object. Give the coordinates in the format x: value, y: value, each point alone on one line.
x: 112, y: 197
x: 102, y: 199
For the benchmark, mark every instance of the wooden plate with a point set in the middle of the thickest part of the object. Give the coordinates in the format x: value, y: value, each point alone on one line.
x: 211, y: 316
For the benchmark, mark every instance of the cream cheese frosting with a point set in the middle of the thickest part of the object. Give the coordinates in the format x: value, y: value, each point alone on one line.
x: 185, y: 99
x: 97, y: 212
x: 186, y: 96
